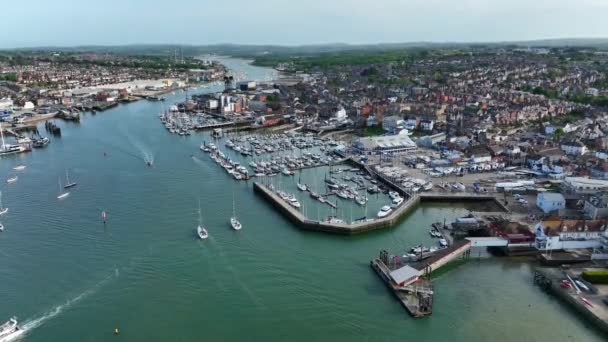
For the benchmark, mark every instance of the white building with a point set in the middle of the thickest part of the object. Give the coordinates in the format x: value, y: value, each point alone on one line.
x: 574, y: 148
x: 385, y: 144
x: 583, y: 185
x: 569, y: 234
x: 550, y: 201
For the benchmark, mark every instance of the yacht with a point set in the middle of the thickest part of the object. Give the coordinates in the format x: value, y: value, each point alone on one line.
x: 385, y: 211
x: 234, y: 221
x: 6, y: 149
x: 393, y: 194
x: 397, y: 201
x: 41, y: 142
x: 293, y: 202
x: 361, y: 200
x: 10, y: 330
x: 200, y: 230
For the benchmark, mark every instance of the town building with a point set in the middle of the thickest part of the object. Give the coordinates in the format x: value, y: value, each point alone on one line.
x: 392, y: 144
x: 550, y: 201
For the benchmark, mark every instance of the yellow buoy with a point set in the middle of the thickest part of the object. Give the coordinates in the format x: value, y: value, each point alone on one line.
x: 115, y: 331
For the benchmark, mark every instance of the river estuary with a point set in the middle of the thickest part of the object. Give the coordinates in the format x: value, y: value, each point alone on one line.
x: 70, y: 278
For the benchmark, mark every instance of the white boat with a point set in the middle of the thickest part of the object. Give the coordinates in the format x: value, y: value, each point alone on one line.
x: 10, y: 330
x: 68, y: 184
x: 19, y: 168
x: 385, y: 211
x: 6, y: 149
x: 3, y: 210
x: 200, y: 230
x: 1, y: 227
x: 361, y: 200
x: 234, y: 221
x: 397, y: 201
x: 293, y: 202
x: 443, y: 243
x: 302, y: 187
x: 393, y: 194
x: 12, y: 180
x: 64, y: 194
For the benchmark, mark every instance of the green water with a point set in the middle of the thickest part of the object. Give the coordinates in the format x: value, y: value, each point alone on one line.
x: 70, y: 278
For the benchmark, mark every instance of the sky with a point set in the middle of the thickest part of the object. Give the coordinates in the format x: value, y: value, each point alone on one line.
x: 27, y: 23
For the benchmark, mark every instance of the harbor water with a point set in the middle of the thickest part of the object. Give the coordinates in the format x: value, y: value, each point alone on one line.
x: 68, y: 276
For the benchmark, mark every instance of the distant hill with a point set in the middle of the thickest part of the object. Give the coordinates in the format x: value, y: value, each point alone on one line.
x: 241, y: 50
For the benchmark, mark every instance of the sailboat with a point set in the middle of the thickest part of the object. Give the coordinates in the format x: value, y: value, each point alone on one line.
x: 200, y: 230
x: 234, y: 221
x: 301, y: 187
x: 12, y: 180
x: 6, y: 149
x: 68, y: 184
x: 62, y: 195
x: 3, y: 210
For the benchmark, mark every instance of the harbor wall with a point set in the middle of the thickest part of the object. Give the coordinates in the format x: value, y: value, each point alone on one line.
x: 322, y: 226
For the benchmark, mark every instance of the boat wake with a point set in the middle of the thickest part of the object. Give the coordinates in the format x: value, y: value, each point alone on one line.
x: 50, y: 314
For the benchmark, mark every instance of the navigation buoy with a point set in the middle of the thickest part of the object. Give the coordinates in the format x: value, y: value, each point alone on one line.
x: 115, y: 331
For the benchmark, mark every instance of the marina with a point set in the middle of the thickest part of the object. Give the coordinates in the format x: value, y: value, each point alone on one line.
x: 125, y: 270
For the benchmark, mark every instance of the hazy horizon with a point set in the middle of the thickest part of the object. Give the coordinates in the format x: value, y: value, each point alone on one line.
x: 68, y: 23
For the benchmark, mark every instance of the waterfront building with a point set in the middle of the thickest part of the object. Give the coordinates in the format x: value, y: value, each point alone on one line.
x: 555, y: 234
x: 393, y: 144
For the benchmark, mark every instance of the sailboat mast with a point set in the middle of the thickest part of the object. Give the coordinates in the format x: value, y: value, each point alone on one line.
x: 200, y: 219
x: 2, y: 135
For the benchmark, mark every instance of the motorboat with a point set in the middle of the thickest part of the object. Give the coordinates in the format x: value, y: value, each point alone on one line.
x: 1, y: 227
x: 361, y: 200
x: 385, y: 211
x: 41, y: 142
x: 12, y: 180
x: 10, y: 330
x: 19, y: 168
x: 293, y: 202
x: 396, y: 202
x: 443, y: 242
x: 393, y: 194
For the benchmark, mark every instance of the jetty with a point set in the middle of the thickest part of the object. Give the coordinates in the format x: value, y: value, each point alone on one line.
x: 410, y: 281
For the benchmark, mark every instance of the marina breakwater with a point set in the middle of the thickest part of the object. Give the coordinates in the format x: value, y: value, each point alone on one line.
x: 363, y: 226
